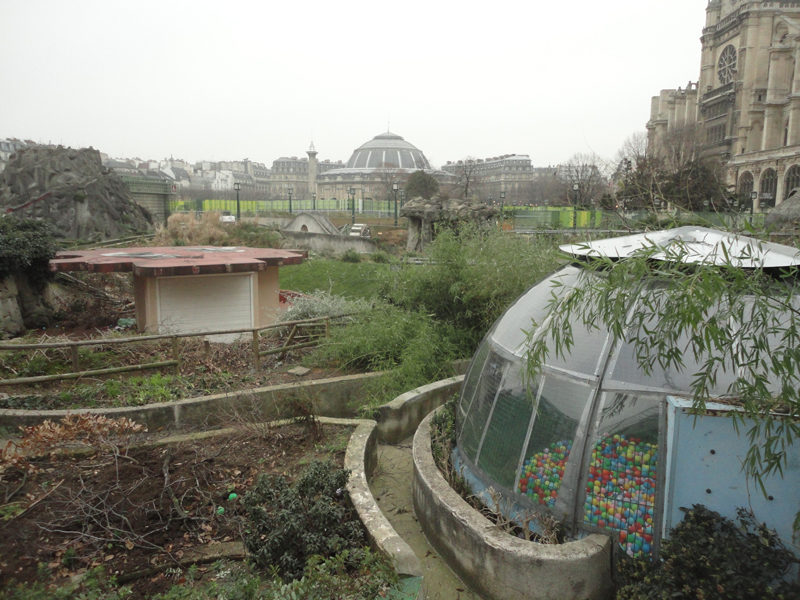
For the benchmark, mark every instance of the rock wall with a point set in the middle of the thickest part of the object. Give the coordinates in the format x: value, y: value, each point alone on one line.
x: 72, y: 190
x: 423, y: 214
x: 21, y: 307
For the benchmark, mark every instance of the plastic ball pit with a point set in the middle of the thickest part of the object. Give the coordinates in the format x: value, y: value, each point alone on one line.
x: 621, y: 490
x: 543, y: 473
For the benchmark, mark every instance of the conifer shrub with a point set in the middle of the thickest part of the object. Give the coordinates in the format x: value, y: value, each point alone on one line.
x: 710, y: 557
x: 288, y: 524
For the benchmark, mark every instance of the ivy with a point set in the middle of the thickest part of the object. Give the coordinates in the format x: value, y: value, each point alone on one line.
x: 26, y: 246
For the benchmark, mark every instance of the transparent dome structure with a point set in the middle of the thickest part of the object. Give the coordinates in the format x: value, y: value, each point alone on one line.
x: 583, y: 441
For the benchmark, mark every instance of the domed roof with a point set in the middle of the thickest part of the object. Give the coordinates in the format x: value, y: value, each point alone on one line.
x: 388, y: 150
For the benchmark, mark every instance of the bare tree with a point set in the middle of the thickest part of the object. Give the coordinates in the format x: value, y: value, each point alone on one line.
x: 584, y: 179
x: 467, y: 178
x: 387, y: 174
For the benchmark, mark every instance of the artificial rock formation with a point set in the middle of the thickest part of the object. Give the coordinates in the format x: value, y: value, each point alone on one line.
x: 786, y: 215
x: 423, y: 214
x: 72, y: 190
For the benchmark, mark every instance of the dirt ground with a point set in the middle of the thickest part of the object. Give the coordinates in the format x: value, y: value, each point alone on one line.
x: 145, y: 510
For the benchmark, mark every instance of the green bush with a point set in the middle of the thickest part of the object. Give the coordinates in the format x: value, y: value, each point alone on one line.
x: 289, y: 524
x: 381, y: 256
x: 411, y: 347
x: 322, y: 304
x: 710, y: 557
x: 26, y: 246
x: 473, y: 276
x: 350, y: 256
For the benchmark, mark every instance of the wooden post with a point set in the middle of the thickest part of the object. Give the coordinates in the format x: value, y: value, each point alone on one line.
x: 176, y: 355
x: 207, y: 347
x: 288, y: 342
x: 76, y: 363
x: 256, y: 357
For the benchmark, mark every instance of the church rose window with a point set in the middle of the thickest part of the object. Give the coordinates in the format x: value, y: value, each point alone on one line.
x: 726, y: 65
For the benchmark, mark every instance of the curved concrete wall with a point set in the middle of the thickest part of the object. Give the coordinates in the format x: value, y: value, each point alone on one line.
x: 495, y: 564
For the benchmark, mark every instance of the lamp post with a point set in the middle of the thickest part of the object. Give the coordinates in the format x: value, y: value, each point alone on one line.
x: 313, y: 200
x: 753, y: 198
x: 575, y: 188
x: 502, y: 205
x: 291, y: 191
x: 237, y: 187
x: 395, y: 187
x: 352, y: 192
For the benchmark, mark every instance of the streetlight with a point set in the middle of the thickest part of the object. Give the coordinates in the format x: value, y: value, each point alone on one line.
x: 291, y: 191
x: 313, y: 200
x: 502, y: 205
x: 395, y: 187
x: 753, y: 198
x: 575, y: 188
x: 237, y: 187
x: 352, y: 192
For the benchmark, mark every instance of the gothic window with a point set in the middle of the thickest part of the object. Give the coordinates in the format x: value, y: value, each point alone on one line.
x: 726, y: 66
x: 792, y: 180
x: 745, y: 185
x: 769, y: 185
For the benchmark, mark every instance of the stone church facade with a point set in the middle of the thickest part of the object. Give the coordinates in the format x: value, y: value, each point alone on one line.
x: 745, y: 107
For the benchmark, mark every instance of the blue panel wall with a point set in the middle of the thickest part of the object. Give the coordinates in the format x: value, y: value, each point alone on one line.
x: 705, y: 457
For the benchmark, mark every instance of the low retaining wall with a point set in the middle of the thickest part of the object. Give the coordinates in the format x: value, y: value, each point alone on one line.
x: 400, y: 418
x: 331, y: 398
x: 495, y: 564
x: 320, y: 242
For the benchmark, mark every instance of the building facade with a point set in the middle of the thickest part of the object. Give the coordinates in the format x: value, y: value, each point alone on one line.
x: 745, y: 107
x: 511, y: 173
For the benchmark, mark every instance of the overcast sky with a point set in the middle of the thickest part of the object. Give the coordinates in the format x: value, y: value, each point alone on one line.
x: 206, y: 80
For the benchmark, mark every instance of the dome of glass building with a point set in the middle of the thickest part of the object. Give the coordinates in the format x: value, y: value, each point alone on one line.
x: 585, y: 439
x: 387, y: 150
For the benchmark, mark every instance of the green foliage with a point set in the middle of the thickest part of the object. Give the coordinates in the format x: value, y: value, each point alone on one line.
x: 381, y: 257
x: 289, y: 524
x: 741, y: 324
x: 338, y: 578
x: 709, y: 557
x: 473, y: 276
x: 411, y: 347
x: 96, y: 585
x: 26, y: 246
x: 686, y: 186
x: 422, y: 184
x: 322, y: 304
x: 350, y: 256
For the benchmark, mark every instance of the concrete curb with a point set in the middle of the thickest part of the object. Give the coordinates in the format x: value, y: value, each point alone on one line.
x: 496, y: 565
x: 361, y: 458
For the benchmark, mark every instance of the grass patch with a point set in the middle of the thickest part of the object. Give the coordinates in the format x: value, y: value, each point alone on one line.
x: 351, y: 280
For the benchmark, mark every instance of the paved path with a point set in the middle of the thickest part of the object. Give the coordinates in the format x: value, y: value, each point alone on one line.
x: 391, y: 486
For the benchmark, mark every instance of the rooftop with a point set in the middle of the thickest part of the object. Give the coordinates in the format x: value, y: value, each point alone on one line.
x: 172, y: 261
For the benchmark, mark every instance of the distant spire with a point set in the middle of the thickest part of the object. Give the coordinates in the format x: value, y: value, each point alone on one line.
x: 311, y: 147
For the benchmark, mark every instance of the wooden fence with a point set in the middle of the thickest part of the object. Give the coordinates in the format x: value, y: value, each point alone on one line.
x: 304, y: 333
